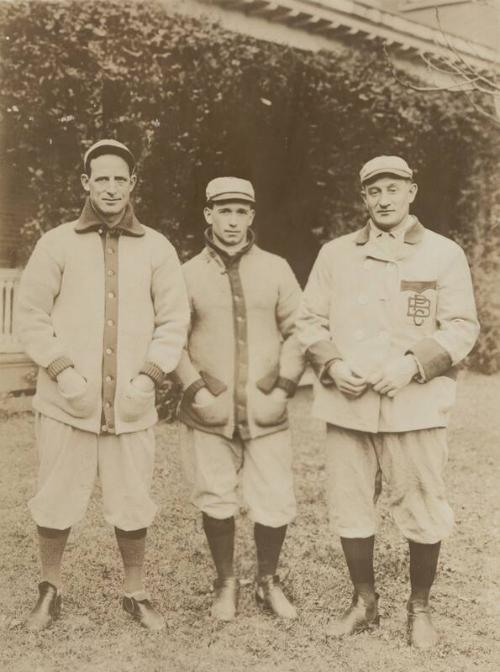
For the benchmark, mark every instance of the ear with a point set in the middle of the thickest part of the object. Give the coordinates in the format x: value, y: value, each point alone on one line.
x: 252, y: 216
x: 363, y: 195
x: 207, y: 212
x: 412, y: 192
x: 133, y: 181
x: 85, y: 179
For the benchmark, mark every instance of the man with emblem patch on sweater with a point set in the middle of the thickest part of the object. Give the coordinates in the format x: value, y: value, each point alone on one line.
x: 241, y: 363
x: 103, y: 311
x: 387, y: 313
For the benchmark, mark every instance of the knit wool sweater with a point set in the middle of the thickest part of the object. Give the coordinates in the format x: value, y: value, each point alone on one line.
x: 89, y: 293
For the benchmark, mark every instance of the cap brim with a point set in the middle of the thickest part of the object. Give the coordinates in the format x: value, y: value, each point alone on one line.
x: 231, y: 196
x: 387, y: 171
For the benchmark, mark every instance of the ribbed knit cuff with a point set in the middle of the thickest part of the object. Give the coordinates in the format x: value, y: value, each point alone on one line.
x: 286, y: 384
x: 152, y: 370
x: 58, y: 366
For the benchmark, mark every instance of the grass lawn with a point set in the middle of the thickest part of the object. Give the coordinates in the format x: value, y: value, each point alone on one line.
x: 94, y: 635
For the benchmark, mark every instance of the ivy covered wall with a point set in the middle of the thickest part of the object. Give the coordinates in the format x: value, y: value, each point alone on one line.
x: 194, y: 101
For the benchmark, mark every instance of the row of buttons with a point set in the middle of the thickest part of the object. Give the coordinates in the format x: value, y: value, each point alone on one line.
x: 241, y: 372
x: 110, y: 336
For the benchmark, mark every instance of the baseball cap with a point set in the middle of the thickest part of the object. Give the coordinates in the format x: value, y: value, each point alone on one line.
x: 390, y: 165
x: 108, y: 147
x: 230, y: 188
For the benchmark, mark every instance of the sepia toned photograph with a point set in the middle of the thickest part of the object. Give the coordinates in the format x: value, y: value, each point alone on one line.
x: 249, y: 335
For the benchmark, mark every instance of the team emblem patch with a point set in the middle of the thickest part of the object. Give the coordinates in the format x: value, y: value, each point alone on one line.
x: 419, y: 309
x: 419, y: 306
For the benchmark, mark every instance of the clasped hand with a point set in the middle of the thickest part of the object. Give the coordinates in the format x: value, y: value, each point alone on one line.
x: 388, y: 380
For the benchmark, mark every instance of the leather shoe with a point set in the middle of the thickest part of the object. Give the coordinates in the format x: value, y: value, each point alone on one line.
x: 141, y: 609
x: 46, y: 610
x: 421, y: 631
x: 361, y: 615
x: 270, y: 596
x: 226, y: 599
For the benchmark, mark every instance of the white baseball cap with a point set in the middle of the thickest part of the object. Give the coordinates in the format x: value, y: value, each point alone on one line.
x: 230, y: 189
x: 388, y: 165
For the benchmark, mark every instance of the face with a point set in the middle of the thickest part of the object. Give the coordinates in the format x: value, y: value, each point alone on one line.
x: 109, y: 184
x: 388, y: 200
x: 230, y: 221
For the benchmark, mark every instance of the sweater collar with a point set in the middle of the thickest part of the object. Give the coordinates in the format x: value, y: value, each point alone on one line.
x: 413, y: 234
x: 228, y: 259
x: 90, y: 220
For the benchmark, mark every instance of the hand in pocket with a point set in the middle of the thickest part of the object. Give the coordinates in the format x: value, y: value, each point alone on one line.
x: 212, y: 410
x: 71, y: 382
x: 135, y: 401
x: 75, y: 390
x: 269, y: 409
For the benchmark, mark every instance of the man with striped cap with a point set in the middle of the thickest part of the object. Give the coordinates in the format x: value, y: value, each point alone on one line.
x: 241, y: 363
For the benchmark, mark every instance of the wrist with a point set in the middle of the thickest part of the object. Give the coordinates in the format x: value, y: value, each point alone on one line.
x: 58, y: 366
x: 413, y: 367
x: 332, y: 367
x: 153, y: 372
x: 144, y: 382
x: 278, y: 393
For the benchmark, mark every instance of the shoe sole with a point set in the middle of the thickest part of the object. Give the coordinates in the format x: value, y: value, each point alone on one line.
x: 367, y: 627
x: 53, y: 617
x: 137, y: 620
x: 264, y: 606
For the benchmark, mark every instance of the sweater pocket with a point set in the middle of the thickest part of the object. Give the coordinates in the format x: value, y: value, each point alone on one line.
x: 267, y: 412
x: 134, y: 403
x: 80, y: 403
x: 214, y: 414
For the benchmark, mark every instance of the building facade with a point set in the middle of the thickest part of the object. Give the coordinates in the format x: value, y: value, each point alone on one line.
x: 447, y: 33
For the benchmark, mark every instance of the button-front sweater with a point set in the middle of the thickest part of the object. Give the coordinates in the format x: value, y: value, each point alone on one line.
x: 242, y: 340
x: 110, y: 302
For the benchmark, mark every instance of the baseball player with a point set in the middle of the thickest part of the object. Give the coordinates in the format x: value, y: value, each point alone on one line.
x: 241, y: 363
x: 103, y: 311
x: 387, y: 314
